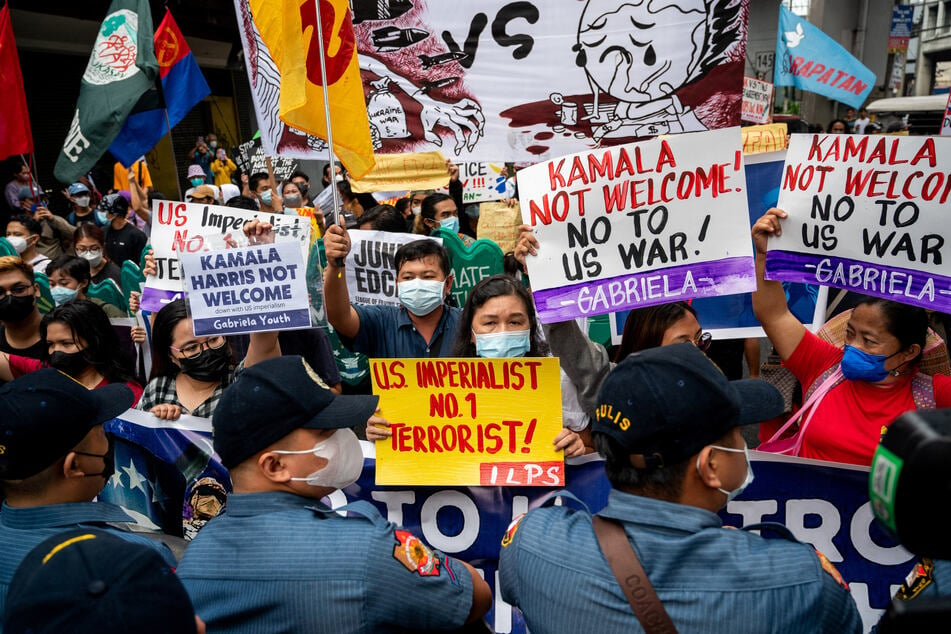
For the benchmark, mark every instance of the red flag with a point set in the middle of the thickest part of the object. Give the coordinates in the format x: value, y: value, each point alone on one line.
x: 15, y: 134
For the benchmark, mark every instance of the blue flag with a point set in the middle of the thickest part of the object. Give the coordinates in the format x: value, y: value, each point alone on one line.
x: 810, y: 60
x: 183, y: 86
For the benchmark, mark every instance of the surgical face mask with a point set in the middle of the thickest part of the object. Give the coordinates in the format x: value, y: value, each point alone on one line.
x: 344, y: 459
x: 858, y: 365
x: 93, y: 257
x: 450, y: 224
x: 416, y: 209
x: 731, y: 495
x: 72, y: 363
x: 16, y: 308
x: 339, y: 178
x: 102, y: 218
x: 293, y: 200
x: 266, y: 197
x: 421, y: 297
x: 212, y: 144
x: 63, y: 294
x: 19, y: 243
x: 498, y: 345
x: 211, y: 364
x: 81, y: 201
x: 197, y: 181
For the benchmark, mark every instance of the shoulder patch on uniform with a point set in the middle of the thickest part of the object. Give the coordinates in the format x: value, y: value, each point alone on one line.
x: 829, y: 568
x: 510, y: 531
x: 921, y: 576
x: 415, y: 555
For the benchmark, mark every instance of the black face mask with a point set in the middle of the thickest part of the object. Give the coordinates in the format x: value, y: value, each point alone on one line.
x: 16, y: 308
x: 72, y: 363
x: 108, y: 461
x: 209, y: 365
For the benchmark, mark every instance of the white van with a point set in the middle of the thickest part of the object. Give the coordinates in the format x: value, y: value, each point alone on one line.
x: 922, y: 115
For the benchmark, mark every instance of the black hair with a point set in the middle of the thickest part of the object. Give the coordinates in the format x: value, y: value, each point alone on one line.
x: 835, y: 121
x: 89, y: 322
x: 420, y: 249
x: 255, y: 179
x: 428, y: 206
x: 31, y: 224
x: 645, y: 327
x: 88, y: 230
x: 242, y: 202
x: 908, y: 324
x: 162, y: 327
x: 73, y: 266
x: 346, y: 192
x: 300, y: 174
x: 402, y: 205
x: 496, y: 286
x: 384, y: 218
x: 662, y: 483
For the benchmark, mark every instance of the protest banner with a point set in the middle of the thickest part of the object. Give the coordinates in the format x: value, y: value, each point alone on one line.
x: 470, y: 264
x: 771, y: 137
x: 481, y: 181
x: 247, y: 289
x: 757, y: 101
x: 191, y: 228
x: 899, y: 33
x: 946, y: 121
x: 866, y: 214
x: 422, y: 170
x: 371, y: 271
x: 492, y: 80
x: 469, y: 421
x: 251, y: 159
x: 646, y: 223
x: 499, y: 223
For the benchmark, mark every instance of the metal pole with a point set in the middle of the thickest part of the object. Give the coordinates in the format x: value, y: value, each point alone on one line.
x: 330, y: 132
x: 171, y: 144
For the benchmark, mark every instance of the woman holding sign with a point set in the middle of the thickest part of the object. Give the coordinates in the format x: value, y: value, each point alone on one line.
x: 858, y: 391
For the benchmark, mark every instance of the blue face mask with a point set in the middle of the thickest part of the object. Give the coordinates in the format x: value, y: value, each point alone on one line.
x: 501, y: 345
x: 421, y: 297
x: 858, y: 365
x: 101, y: 218
x: 266, y: 197
x: 197, y: 181
x: 63, y: 294
x: 450, y: 224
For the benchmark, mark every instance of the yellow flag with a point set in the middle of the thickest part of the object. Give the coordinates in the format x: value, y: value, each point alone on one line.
x: 289, y: 29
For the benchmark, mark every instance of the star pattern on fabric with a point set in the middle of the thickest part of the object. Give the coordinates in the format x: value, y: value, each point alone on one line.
x: 136, y: 480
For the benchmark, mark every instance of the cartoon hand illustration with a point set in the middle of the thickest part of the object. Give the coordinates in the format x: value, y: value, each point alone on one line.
x: 463, y: 118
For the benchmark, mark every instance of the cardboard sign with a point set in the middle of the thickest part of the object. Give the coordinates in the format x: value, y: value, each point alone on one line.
x: 481, y: 181
x: 469, y: 421
x: 470, y: 264
x: 248, y: 289
x: 422, y: 170
x: 765, y: 138
x: 636, y: 225
x: 757, y: 99
x: 867, y: 214
x: 192, y: 228
x: 371, y: 271
x: 499, y: 223
x: 251, y: 159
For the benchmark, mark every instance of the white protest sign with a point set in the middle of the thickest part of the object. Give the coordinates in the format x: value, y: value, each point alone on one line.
x: 866, y: 214
x: 946, y: 122
x: 191, y: 228
x: 248, y: 289
x: 639, y: 224
x: 481, y: 182
x: 371, y: 272
x: 757, y: 97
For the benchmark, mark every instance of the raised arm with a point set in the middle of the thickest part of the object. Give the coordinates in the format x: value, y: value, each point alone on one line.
x: 341, y: 315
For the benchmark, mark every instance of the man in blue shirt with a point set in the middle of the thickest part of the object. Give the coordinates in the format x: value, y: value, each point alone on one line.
x: 278, y: 559
x: 668, y: 425
x: 424, y: 326
x: 54, y: 459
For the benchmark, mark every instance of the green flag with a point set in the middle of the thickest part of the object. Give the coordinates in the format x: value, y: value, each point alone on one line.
x: 121, y: 67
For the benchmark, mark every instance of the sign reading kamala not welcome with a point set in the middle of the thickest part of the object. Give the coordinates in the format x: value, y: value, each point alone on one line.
x: 867, y: 214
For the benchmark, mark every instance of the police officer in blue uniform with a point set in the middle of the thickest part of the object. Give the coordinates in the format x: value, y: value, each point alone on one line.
x: 668, y: 425
x: 278, y: 559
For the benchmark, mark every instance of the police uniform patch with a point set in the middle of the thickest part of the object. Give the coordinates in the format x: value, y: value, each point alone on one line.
x: 920, y: 578
x: 510, y: 531
x: 829, y: 568
x: 415, y: 555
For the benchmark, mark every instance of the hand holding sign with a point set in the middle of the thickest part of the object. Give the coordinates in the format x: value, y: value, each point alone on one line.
x: 769, y: 224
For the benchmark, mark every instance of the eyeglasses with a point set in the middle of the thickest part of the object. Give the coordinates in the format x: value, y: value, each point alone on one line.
x: 17, y: 290
x: 703, y: 341
x: 192, y: 350
x: 81, y: 250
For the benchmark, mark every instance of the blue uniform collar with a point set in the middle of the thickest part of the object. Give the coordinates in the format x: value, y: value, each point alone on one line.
x: 68, y: 514
x: 251, y: 504
x: 636, y: 509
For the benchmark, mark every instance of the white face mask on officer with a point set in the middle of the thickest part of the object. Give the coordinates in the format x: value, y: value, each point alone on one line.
x: 731, y: 495
x: 344, y: 458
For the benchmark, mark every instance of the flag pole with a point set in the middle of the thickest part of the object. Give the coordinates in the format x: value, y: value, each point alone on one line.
x: 171, y: 144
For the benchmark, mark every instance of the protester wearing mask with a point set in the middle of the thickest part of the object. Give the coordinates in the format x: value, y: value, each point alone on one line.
x: 69, y: 277
x: 123, y: 241
x: 201, y: 155
x: 291, y: 193
x: 222, y: 167
x: 81, y: 199
x: 23, y: 234
x: 19, y: 316
x: 88, y: 242
x: 284, y: 438
x: 439, y: 211
x: 261, y: 186
x: 326, y: 178
x: 55, y: 232
x: 668, y: 425
x: 21, y: 178
x: 302, y: 181
x: 56, y: 460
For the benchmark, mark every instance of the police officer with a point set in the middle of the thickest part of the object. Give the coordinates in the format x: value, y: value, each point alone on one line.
x: 278, y: 559
x: 668, y: 425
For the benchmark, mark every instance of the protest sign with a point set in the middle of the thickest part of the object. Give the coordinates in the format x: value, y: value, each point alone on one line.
x: 248, y: 289
x: 481, y: 181
x: 771, y: 137
x: 371, y: 271
x: 499, y: 223
x: 946, y: 122
x: 251, y: 159
x: 899, y: 33
x: 757, y: 99
x: 636, y: 225
x: 191, y: 228
x: 866, y: 214
x: 423, y: 170
x: 470, y: 264
x: 469, y: 421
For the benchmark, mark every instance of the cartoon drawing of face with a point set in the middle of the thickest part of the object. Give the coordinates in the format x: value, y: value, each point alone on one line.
x: 642, y: 50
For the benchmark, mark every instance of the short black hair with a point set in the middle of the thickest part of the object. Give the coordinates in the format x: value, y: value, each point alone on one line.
x: 299, y: 174
x: 73, y: 266
x: 242, y: 202
x: 383, y: 218
x: 428, y: 206
x: 256, y: 178
x: 662, y: 483
x: 908, y: 324
x: 89, y: 322
x: 420, y: 249
x: 31, y: 224
x: 500, y: 285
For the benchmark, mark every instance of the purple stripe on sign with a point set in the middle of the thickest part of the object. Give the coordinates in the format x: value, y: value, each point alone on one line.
x: 598, y: 297
x: 928, y: 290
x: 154, y: 299
x: 255, y: 322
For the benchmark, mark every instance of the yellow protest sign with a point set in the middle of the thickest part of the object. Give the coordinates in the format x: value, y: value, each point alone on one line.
x: 499, y: 223
x: 765, y: 138
x: 471, y: 422
x: 392, y: 172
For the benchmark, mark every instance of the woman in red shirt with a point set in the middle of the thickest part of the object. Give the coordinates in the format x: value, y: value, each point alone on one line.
x: 884, y: 341
x: 81, y: 343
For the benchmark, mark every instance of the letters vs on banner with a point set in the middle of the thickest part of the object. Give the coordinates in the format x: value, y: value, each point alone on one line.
x: 641, y: 224
x: 867, y: 214
x: 494, y: 80
x: 469, y: 421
